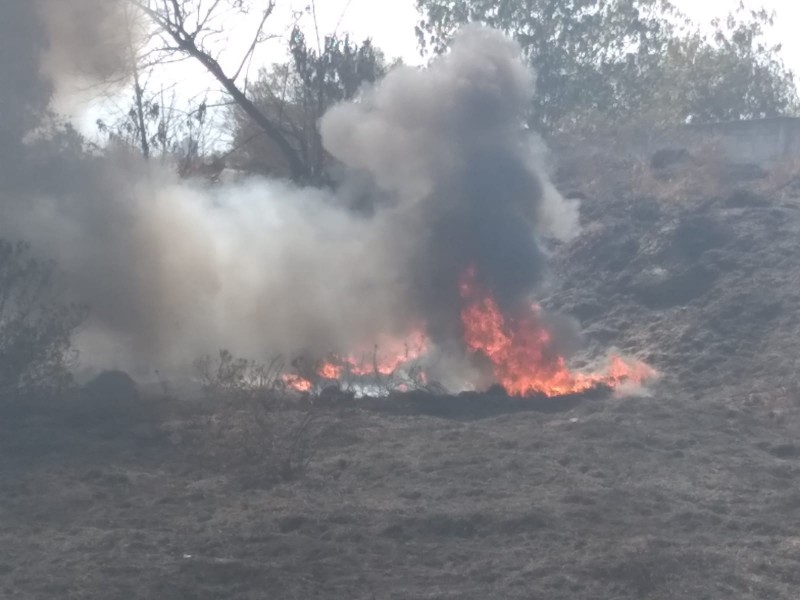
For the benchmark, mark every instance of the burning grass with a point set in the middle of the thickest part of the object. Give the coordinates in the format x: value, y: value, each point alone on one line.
x: 520, y: 349
x: 391, y: 365
x: 522, y: 353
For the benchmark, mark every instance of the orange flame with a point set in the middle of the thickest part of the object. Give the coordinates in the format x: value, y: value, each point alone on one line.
x: 388, y: 355
x: 385, y: 359
x: 330, y: 371
x: 521, y: 351
x: 297, y: 383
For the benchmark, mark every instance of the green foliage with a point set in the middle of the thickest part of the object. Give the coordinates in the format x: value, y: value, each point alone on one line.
x: 610, y: 61
x: 36, y: 329
x: 585, y: 52
x: 297, y: 93
x: 336, y: 71
x: 730, y: 75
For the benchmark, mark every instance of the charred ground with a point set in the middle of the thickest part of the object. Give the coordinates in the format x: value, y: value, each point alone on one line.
x: 686, y: 493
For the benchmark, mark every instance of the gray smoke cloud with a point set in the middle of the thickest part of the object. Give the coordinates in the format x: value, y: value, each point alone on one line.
x: 449, y: 142
x: 90, y: 43
x: 174, y: 269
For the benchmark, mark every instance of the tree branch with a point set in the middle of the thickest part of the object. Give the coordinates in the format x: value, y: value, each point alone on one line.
x: 171, y: 19
x: 256, y: 37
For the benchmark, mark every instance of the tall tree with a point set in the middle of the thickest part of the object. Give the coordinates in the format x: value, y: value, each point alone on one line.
x: 730, y: 74
x: 584, y: 51
x: 296, y: 94
x: 614, y: 60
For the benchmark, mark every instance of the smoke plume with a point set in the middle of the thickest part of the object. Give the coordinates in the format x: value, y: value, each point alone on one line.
x: 174, y: 269
x: 90, y: 43
x: 449, y: 142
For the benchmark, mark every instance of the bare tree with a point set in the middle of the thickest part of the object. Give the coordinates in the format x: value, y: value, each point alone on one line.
x: 189, y: 28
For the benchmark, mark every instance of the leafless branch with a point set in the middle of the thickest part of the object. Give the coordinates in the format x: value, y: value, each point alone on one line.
x: 256, y: 38
x: 170, y: 16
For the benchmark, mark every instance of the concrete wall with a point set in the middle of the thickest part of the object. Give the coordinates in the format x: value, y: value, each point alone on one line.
x: 761, y: 141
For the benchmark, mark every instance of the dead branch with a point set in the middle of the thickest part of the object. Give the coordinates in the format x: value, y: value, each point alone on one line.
x: 173, y: 18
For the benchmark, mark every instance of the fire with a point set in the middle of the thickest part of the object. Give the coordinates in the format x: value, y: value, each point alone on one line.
x: 296, y: 382
x: 386, y: 357
x: 330, y: 371
x: 521, y: 352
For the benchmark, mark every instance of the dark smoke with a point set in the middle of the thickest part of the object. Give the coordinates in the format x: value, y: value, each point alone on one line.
x: 449, y: 141
x: 174, y: 269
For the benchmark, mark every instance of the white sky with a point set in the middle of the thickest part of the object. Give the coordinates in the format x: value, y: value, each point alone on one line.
x: 390, y: 24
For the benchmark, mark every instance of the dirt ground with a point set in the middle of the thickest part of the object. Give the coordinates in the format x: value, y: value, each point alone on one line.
x: 689, y: 491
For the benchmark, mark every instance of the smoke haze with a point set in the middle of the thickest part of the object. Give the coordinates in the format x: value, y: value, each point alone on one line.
x: 174, y: 269
x: 90, y: 43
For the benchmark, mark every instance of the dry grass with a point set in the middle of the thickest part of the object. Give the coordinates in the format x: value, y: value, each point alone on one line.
x: 603, y: 164
x: 660, y: 498
x: 699, y: 175
x: 268, y: 432
x: 783, y: 180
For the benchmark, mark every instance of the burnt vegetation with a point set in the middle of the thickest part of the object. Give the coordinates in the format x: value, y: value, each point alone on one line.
x: 266, y: 434
x: 246, y: 478
x: 352, y: 497
x: 36, y: 326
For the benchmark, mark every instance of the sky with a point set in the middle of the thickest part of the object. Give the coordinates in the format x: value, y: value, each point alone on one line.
x: 390, y: 24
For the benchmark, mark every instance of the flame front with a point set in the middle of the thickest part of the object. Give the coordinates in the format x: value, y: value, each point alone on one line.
x: 521, y: 350
x: 297, y: 383
x: 386, y: 358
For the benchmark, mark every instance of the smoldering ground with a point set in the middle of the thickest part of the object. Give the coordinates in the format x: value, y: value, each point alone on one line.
x: 174, y: 269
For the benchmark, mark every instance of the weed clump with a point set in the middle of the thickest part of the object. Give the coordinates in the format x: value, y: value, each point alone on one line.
x: 267, y: 433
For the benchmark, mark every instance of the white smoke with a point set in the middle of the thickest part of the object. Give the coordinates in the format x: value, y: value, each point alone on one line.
x: 174, y: 269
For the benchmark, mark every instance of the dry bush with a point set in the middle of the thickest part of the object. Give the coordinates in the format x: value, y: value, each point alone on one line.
x: 265, y: 432
x: 111, y: 402
x: 700, y: 174
x: 36, y: 328
x: 783, y: 180
x: 705, y: 173
x: 603, y: 162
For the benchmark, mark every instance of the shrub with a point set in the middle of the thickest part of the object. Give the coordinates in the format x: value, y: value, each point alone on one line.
x: 111, y: 401
x: 36, y: 328
x: 695, y: 172
x: 270, y: 435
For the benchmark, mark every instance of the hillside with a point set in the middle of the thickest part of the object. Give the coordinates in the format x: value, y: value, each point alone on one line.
x: 685, y: 492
